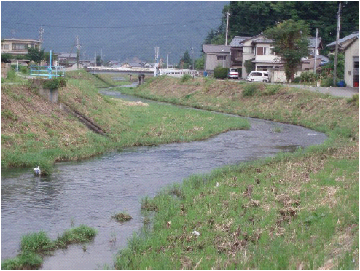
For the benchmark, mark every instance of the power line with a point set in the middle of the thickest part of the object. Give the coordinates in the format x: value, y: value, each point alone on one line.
x: 114, y: 27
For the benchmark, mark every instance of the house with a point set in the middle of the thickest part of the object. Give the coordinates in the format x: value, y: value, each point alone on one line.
x: 258, y: 51
x: 350, y: 46
x: 236, y: 52
x: 216, y: 55
x: 18, y: 46
x: 67, y: 59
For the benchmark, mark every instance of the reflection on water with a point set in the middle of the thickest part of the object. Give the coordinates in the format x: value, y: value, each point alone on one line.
x: 90, y: 192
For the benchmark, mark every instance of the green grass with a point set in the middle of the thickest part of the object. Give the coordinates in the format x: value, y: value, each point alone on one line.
x: 294, y: 211
x: 37, y: 138
x: 35, y: 245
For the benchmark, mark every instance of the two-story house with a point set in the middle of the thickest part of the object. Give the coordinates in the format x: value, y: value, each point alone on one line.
x: 216, y: 55
x: 259, y: 51
x: 18, y: 46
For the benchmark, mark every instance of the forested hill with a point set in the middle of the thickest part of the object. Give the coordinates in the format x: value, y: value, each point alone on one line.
x: 249, y: 18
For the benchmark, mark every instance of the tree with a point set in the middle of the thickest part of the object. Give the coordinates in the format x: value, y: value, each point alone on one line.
x: 99, y: 61
x: 186, y: 61
x: 291, y: 43
x: 250, y: 18
x: 36, y: 55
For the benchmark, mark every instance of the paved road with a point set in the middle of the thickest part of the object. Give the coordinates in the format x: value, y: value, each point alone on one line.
x: 346, y: 92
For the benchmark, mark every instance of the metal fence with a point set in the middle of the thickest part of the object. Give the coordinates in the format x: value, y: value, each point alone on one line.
x: 47, y: 71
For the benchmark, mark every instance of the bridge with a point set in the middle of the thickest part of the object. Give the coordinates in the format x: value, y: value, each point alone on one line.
x: 146, y: 71
x: 101, y: 69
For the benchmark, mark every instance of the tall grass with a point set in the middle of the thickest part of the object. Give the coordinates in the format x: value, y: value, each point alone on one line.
x: 34, y: 245
x: 293, y: 211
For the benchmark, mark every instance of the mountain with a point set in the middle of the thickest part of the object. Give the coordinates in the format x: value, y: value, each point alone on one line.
x: 117, y: 30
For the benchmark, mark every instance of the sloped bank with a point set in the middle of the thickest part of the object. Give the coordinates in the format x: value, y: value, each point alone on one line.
x: 36, y: 132
x: 293, y: 211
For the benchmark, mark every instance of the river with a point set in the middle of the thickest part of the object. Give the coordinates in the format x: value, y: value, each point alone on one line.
x: 91, y: 191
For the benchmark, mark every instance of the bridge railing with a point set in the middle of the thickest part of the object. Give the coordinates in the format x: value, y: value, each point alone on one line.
x: 47, y: 71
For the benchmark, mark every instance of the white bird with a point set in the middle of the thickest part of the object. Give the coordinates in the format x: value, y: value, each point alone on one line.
x: 196, y: 233
x: 37, y: 171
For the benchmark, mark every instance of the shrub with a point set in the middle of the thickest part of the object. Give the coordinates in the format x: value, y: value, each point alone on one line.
x: 185, y: 78
x: 308, y: 77
x: 54, y: 83
x: 327, y: 82
x: 249, y: 90
x: 11, y: 75
x: 271, y: 89
x: 221, y: 73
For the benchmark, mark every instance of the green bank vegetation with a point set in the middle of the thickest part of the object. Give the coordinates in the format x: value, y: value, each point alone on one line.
x: 35, y: 245
x: 294, y: 211
x: 36, y: 132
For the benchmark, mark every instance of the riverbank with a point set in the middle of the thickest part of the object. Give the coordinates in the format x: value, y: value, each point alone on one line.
x: 36, y: 132
x: 294, y: 211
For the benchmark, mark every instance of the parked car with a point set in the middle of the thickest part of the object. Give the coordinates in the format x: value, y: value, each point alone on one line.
x: 233, y: 73
x: 258, y: 76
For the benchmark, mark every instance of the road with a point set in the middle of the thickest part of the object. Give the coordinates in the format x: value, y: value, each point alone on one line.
x: 346, y: 92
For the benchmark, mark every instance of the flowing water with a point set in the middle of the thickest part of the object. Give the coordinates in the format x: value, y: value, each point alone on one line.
x: 90, y: 192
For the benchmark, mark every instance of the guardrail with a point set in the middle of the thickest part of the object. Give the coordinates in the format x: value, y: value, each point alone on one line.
x: 47, y: 71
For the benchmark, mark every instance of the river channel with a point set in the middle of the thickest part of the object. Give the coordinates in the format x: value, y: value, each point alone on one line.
x: 91, y: 191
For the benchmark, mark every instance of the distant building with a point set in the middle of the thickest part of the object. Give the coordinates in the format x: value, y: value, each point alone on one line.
x: 18, y: 46
x: 67, y: 59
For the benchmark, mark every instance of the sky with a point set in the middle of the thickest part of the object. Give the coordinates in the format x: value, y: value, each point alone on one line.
x: 117, y: 30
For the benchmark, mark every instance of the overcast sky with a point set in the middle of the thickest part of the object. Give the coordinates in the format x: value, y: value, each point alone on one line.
x: 117, y: 29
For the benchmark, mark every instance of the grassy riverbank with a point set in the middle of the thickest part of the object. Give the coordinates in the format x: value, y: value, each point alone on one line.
x: 294, y: 211
x: 37, y: 132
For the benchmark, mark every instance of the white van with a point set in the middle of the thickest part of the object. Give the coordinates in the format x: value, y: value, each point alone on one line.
x: 258, y: 76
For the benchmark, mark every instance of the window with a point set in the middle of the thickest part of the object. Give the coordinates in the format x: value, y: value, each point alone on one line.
x: 5, y: 46
x: 259, y: 51
x: 221, y: 57
x: 19, y: 46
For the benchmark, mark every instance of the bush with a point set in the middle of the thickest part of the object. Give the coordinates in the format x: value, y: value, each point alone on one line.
x: 185, y: 78
x: 221, y: 73
x: 11, y: 75
x: 250, y: 90
x: 327, y: 82
x: 308, y: 77
x: 54, y: 83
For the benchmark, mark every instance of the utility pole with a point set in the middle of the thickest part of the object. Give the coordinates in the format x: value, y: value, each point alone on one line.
x: 78, y: 46
x: 156, y: 59
x: 167, y: 60
x: 337, y: 44
x: 227, y: 27
x: 41, y: 32
x: 316, y: 45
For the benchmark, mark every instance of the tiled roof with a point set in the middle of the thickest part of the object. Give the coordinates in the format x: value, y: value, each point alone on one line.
x: 212, y: 48
x: 350, y: 37
x: 237, y: 41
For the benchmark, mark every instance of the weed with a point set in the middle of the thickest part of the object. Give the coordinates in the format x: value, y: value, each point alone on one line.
x: 185, y: 78
x: 80, y: 234
x: 122, y: 217
x: 148, y: 205
x: 249, y: 90
x: 36, y: 242
x: 24, y: 261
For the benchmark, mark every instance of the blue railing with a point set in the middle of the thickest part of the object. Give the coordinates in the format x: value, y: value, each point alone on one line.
x: 47, y: 71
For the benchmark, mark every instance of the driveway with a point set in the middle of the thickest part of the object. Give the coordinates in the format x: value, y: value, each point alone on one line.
x: 346, y: 92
